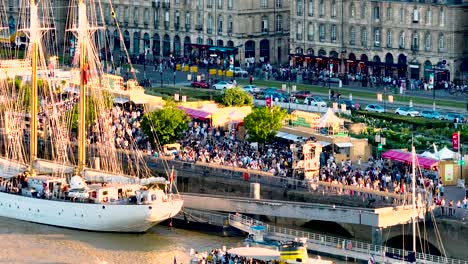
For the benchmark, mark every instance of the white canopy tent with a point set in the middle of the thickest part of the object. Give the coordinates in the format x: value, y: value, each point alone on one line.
x: 445, y: 154
x: 329, y: 119
x: 428, y: 154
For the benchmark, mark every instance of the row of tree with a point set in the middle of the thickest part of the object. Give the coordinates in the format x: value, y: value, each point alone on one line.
x: 166, y: 125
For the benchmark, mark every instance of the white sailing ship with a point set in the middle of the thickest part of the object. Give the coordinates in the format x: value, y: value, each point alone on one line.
x: 56, y: 191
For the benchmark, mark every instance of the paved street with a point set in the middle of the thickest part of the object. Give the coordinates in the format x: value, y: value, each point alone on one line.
x: 181, y: 80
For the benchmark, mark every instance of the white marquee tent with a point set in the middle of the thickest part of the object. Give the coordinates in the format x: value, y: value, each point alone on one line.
x: 445, y: 154
x: 329, y: 119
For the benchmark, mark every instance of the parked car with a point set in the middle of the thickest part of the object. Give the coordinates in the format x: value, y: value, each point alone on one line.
x: 251, y: 89
x: 350, y: 104
x: 271, y: 90
x: 222, y: 85
x: 454, y: 117
x: 277, y: 96
x: 315, y: 101
x: 374, y: 108
x: 430, y: 114
x: 200, y: 84
x: 238, y: 71
x: 302, y: 94
x: 407, y: 111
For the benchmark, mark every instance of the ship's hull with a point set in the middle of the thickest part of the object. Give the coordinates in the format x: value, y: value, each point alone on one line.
x: 129, y: 218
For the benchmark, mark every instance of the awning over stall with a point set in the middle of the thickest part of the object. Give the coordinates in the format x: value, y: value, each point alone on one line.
x: 194, y: 113
x: 288, y: 136
x: 344, y: 144
x: 402, y: 156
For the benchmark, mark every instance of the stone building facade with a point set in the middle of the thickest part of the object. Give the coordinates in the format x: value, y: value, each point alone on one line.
x: 258, y: 30
x: 396, y: 38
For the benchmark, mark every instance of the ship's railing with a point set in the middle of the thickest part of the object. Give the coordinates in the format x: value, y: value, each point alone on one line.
x: 203, y: 216
x: 336, y: 242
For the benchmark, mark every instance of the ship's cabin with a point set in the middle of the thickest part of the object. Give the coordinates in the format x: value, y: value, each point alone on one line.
x: 150, y: 196
x: 44, y: 186
x: 110, y: 194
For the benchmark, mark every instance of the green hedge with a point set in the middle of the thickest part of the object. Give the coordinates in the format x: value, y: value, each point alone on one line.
x: 417, y: 121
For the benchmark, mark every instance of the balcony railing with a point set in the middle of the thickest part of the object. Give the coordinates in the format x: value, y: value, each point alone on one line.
x: 199, y: 27
x: 209, y: 30
x: 176, y: 26
x: 298, y: 36
x: 209, y: 6
x: 166, y: 5
x: 166, y: 25
x: 220, y: 32
x: 310, y: 37
x: 265, y: 30
x: 156, y: 4
x: 187, y: 27
x: 414, y: 47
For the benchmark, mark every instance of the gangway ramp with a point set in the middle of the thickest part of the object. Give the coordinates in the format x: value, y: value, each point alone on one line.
x: 334, y: 245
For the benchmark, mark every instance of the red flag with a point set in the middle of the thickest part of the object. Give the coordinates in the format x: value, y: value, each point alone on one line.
x: 172, y: 176
x: 455, y: 140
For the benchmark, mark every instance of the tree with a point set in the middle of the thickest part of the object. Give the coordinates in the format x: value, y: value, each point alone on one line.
x: 263, y: 123
x: 94, y: 105
x: 236, y: 97
x: 167, y: 124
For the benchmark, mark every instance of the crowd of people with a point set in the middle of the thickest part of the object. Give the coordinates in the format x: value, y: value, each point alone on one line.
x: 204, y: 143
x: 124, y: 122
x: 218, y: 256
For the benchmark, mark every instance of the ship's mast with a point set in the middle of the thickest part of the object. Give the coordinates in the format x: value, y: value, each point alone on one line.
x: 82, y: 37
x: 34, y: 31
x: 413, y: 198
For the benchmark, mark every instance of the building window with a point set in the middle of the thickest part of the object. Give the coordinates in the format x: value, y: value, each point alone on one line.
x: 441, y: 42
x: 187, y: 20
x: 352, y: 10
x: 311, y: 7
x: 156, y: 18
x: 363, y: 10
x: 279, y: 3
x: 230, y: 4
x: 279, y: 23
x: 427, y: 42
x: 209, y: 28
x: 402, y: 15
x: 299, y: 31
x: 376, y: 13
x: 321, y: 8
x: 401, y: 43
x: 322, y: 33
x: 263, y: 3
x: 200, y: 6
x: 376, y: 37
x: 209, y: 4
x: 389, y: 12
x: 352, y: 36
x: 299, y: 7
x: 220, y: 24
x: 230, y: 24
x: 364, y: 37
x: 415, y: 15
x: 389, y: 39
x: 441, y: 17
x: 428, y: 17
x: 220, y: 4
x: 166, y: 20
x: 333, y: 33
x: 199, y: 21
x: 333, y: 9
x: 177, y: 20
x: 415, y: 42
x: 126, y: 15
x: 310, y: 34
x: 199, y: 40
x: 264, y: 24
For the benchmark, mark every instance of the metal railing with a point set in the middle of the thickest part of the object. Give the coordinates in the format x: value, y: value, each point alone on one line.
x: 244, y: 223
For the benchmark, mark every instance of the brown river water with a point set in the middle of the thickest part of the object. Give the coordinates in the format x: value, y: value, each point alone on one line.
x: 24, y: 242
